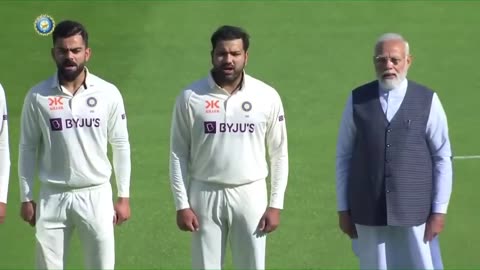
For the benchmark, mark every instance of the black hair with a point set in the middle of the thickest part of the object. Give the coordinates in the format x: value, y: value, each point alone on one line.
x: 228, y: 32
x: 70, y: 28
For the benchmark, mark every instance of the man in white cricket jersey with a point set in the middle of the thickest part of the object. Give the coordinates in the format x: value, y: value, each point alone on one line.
x: 67, y: 123
x: 222, y: 128
x: 4, y: 155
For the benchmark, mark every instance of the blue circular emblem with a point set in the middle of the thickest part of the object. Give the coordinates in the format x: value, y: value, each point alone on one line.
x: 44, y: 25
x: 92, y: 102
x: 246, y: 106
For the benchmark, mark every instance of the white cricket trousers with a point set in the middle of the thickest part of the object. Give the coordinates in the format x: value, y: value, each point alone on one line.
x: 391, y: 247
x: 233, y: 213
x: 60, y: 211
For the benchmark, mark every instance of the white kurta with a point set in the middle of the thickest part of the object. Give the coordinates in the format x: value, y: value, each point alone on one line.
x: 438, y: 140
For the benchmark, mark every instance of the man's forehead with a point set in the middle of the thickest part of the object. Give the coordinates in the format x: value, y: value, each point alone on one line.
x: 390, y: 47
x: 73, y: 41
x: 230, y: 45
x: 69, y: 47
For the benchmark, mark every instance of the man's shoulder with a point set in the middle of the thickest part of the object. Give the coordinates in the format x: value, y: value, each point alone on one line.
x: 102, y: 84
x: 261, y: 87
x: 198, y: 87
x: 420, y: 87
x: 365, y: 92
x: 253, y: 81
x: 42, y: 87
x: 366, y: 87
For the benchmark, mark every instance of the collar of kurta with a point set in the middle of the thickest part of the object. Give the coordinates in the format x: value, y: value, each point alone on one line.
x: 214, y: 86
x: 88, y: 82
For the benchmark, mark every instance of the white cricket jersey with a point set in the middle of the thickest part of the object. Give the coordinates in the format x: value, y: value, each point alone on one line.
x: 221, y: 138
x: 4, y: 148
x: 71, y: 135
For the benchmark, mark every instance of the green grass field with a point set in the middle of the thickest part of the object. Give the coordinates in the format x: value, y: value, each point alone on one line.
x: 314, y: 53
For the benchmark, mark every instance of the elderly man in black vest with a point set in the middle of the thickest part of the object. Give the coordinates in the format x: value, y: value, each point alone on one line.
x: 393, y: 165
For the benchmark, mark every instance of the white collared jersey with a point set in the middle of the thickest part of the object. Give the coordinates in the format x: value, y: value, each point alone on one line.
x: 221, y: 138
x: 71, y: 135
x: 4, y: 148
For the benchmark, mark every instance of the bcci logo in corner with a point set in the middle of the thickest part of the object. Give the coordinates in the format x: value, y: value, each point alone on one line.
x: 44, y: 25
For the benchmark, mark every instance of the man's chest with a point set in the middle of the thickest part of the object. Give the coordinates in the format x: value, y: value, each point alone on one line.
x: 85, y: 110
x: 239, y: 113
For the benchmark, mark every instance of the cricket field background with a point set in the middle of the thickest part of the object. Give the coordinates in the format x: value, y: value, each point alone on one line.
x: 312, y: 52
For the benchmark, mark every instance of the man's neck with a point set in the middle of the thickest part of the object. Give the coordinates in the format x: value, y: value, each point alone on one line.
x: 73, y: 86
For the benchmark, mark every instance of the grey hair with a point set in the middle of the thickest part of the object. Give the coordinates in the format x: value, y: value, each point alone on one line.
x: 392, y: 36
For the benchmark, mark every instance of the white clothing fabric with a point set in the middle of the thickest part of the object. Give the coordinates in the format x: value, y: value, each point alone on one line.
x: 228, y: 215
x: 60, y: 211
x: 4, y: 148
x: 67, y: 136
x: 71, y: 133
x: 223, y: 138
x: 390, y: 247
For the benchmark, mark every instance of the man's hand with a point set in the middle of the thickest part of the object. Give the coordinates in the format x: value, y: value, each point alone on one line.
x: 28, y: 212
x: 3, y: 212
x: 346, y: 224
x: 122, y: 211
x: 270, y: 220
x: 434, y: 226
x: 187, y: 220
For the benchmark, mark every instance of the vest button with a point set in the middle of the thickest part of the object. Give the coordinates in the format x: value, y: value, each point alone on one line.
x: 388, y: 145
x: 389, y: 130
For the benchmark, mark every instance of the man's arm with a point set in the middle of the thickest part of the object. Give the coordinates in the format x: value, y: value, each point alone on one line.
x: 180, y: 135
x: 118, y: 138
x: 277, y: 145
x: 440, y: 149
x: 4, y: 148
x: 345, y: 142
x: 30, y: 136
x: 439, y: 144
x: 277, y: 149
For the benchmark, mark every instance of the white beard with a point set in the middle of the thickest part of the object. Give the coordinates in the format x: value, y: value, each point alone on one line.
x: 389, y: 84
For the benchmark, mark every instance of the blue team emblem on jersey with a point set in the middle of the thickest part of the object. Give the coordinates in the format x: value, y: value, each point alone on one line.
x: 91, y: 102
x: 246, y: 106
x: 44, y: 25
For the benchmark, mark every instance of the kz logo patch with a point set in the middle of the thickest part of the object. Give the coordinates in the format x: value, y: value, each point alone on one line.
x: 212, y: 106
x: 55, y: 103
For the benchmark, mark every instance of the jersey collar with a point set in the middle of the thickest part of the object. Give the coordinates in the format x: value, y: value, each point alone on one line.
x: 88, y: 82
x: 214, y: 86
